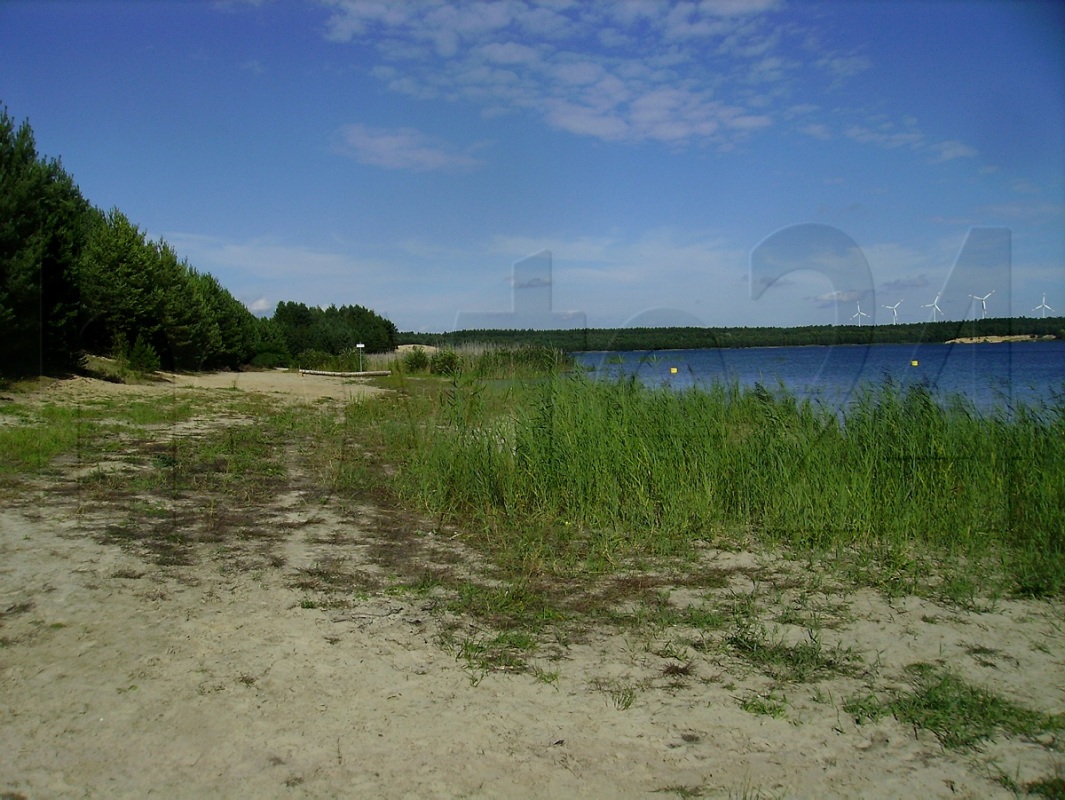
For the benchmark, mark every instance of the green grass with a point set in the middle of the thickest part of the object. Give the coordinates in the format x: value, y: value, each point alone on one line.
x: 768, y: 704
x: 1051, y: 787
x: 569, y: 474
x: 34, y: 438
x: 807, y: 660
x: 959, y: 714
x: 30, y: 438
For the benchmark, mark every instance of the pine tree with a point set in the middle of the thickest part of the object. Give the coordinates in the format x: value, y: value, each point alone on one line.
x: 43, y: 226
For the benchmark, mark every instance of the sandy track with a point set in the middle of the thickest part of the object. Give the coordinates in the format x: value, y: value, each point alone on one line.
x: 288, y: 385
x: 122, y: 678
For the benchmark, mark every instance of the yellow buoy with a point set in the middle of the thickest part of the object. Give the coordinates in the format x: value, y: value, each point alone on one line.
x: 672, y: 370
x: 913, y: 363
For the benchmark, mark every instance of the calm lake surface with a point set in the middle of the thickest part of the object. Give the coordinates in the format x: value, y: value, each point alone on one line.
x: 989, y: 376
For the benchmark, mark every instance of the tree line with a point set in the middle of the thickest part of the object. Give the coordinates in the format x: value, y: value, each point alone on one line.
x: 75, y: 280
x: 691, y: 338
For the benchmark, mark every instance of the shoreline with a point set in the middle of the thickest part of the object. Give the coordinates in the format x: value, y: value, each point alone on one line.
x: 962, y: 340
x: 1001, y: 339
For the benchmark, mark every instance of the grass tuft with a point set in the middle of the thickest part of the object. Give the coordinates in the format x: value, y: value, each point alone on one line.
x: 960, y: 715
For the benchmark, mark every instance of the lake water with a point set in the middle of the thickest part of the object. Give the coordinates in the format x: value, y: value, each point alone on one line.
x: 988, y: 375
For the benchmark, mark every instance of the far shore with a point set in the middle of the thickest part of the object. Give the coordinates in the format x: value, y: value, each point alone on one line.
x: 961, y: 340
x: 999, y: 339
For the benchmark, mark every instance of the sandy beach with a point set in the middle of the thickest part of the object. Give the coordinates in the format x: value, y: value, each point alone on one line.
x: 218, y: 677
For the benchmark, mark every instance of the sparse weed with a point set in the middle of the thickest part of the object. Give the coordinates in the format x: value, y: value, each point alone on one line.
x: 768, y: 704
x: 622, y: 697
x: 504, y: 652
x: 804, y: 661
x: 681, y: 791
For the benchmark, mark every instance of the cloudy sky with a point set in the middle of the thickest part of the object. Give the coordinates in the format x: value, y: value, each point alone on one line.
x: 404, y: 156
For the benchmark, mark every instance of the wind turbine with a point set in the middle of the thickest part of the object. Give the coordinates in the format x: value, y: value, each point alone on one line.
x: 860, y: 314
x: 934, y: 305
x: 895, y: 311
x: 983, y: 302
x: 1043, y: 306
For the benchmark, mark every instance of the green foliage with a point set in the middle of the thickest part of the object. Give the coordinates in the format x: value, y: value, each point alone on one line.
x: 333, y: 330
x: 959, y: 714
x: 689, y: 338
x: 444, y: 362
x: 525, y: 360
x: 119, y: 284
x: 491, y: 362
x: 416, y: 360
x: 271, y: 351
x: 604, y: 472
x: 768, y: 704
x: 807, y: 660
x: 31, y: 445
x: 142, y: 358
x: 43, y: 218
x: 135, y: 288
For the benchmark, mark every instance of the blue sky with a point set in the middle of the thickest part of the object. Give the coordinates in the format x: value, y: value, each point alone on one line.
x: 404, y: 156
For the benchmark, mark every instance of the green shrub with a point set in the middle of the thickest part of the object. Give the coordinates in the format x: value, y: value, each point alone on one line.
x: 270, y: 360
x: 444, y: 362
x: 143, y: 358
x: 417, y: 360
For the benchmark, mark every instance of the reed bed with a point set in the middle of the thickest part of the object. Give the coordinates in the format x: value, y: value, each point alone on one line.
x: 475, y: 360
x: 578, y: 474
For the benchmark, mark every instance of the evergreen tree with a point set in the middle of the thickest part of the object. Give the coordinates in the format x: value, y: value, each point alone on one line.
x: 43, y: 222
x: 120, y: 292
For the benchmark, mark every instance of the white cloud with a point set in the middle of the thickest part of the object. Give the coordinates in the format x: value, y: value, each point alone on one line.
x: 889, y: 139
x: 948, y: 151
x: 259, y: 259
x: 548, y: 58
x: 716, y: 72
x: 260, y: 305
x: 508, y: 53
x: 738, y: 7
x: 402, y: 148
x: 586, y: 121
x: 816, y: 130
x: 578, y: 73
x: 844, y: 66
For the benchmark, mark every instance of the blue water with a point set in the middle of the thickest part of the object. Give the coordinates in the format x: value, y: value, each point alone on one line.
x: 988, y: 376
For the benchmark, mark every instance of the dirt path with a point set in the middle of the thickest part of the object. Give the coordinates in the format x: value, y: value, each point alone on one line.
x: 121, y: 677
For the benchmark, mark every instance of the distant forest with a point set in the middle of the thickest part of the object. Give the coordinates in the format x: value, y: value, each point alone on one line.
x: 588, y: 339
x: 76, y: 280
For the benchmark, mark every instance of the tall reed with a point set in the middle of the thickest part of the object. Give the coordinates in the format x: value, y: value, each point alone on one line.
x: 488, y: 361
x: 596, y: 473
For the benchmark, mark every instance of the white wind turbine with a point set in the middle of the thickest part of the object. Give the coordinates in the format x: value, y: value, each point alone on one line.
x: 895, y: 311
x: 934, y: 305
x: 1043, y: 306
x: 983, y: 302
x: 860, y: 314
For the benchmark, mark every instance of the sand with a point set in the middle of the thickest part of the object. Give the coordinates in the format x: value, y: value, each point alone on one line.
x: 1000, y: 339
x: 120, y: 677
